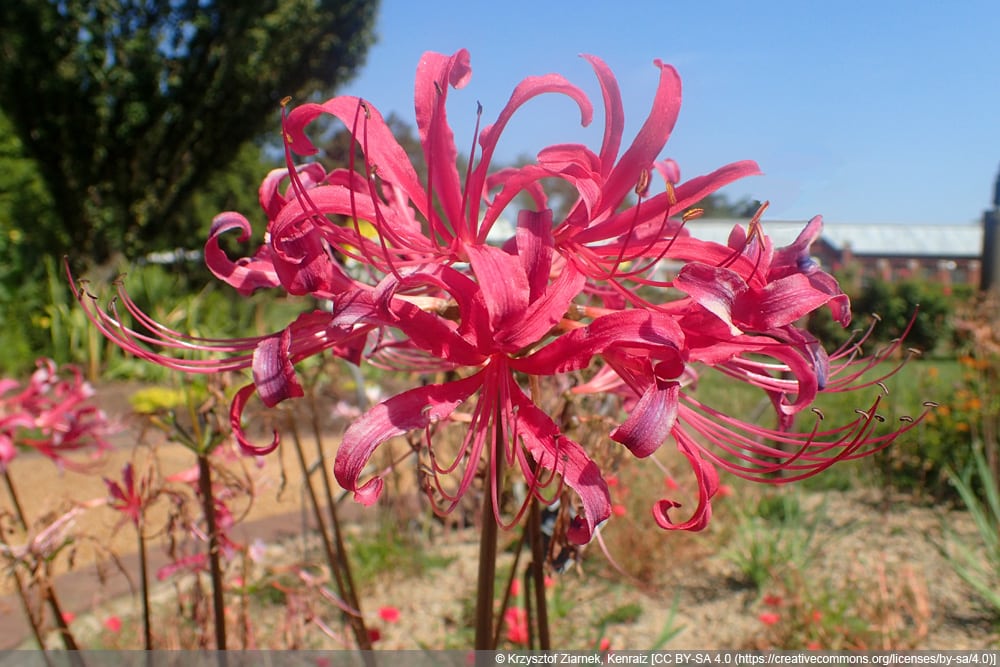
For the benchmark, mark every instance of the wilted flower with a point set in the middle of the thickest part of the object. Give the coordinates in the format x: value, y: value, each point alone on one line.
x: 44, y: 543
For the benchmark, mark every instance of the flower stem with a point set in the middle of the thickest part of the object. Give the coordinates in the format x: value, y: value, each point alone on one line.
x: 338, y: 537
x: 214, y: 564
x: 507, y: 591
x: 488, y: 544
x: 356, y: 621
x: 18, y: 508
x: 537, y: 568
x: 48, y: 592
x: 26, y: 603
x: 147, y: 629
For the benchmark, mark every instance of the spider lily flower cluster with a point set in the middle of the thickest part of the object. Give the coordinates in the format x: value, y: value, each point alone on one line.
x: 416, y: 279
x: 51, y: 414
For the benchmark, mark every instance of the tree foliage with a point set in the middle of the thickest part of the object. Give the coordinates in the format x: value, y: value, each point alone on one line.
x: 717, y: 205
x: 129, y: 107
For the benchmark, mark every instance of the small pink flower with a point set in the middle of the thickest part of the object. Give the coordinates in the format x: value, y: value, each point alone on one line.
x: 772, y: 600
x: 128, y: 497
x: 619, y: 510
x: 549, y: 582
x: 671, y: 483
x: 604, y: 644
x: 816, y: 616
x: 611, y: 481
x: 725, y: 490
x: 389, y: 614
x: 515, y: 587
x: 516, y: 619
x: 814, y: 646
x: 374, y: 635
x: 113, y: 623
x: 68, y: 617
x: 769, y: 618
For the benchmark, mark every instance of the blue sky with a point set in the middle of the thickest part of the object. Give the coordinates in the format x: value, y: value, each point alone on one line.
x: 863, y: 111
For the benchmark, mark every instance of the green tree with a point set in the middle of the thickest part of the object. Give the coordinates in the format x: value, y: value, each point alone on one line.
x: 717, y: 205
x: 129, y: 107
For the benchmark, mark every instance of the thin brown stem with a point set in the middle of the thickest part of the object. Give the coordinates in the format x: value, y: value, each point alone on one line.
x: 48, y: 592
x: 147, y: 627
x: 534, y: 530
x: 18, y: 508
x: 528, y: 614
x: 505, y: 601
x: 355, y: 620
x: 537, y: 568
x: 488, y: 544
x: 214, y: 549
x: 331, y: 505
x: 29, y: 613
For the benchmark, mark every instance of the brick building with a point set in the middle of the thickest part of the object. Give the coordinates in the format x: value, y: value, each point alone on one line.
x: 950, y: 254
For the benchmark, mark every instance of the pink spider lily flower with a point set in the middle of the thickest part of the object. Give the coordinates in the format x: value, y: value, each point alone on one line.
x: 270, y: 358
x: 604, y: 230
x: 661, y: 402
x: 128, y: 498
x: 308, y: 240
x: 406, y: 265
x: 506, y: 305
x: 51, y: 414
x: 760, y: 290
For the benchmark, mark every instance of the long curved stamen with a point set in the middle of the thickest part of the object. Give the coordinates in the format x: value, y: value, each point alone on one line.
x: 300, y: 191
x: 849, y: 372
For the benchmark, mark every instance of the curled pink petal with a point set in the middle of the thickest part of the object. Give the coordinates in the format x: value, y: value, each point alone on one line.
x: 246, y: 275
x: 708, y: 485
x: 273, y: 372
x: 236, y: 422
x: 650, y: 420
x: 410, y: 410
